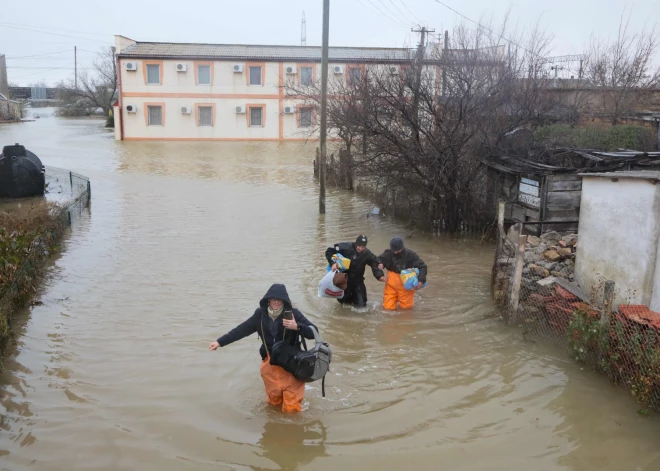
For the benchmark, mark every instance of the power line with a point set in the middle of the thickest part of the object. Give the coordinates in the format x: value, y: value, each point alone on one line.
x: 35, y: 73
x: 38, y: 55
x: 55, y: 29
x: 394, y: 15
x: 402, y: 13
x: 378, y: 10
x: 487, y: 28
x: 7, y: 25
x: 414, y: 16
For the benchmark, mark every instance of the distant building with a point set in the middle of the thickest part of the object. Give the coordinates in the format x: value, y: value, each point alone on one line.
x: 171, y: 91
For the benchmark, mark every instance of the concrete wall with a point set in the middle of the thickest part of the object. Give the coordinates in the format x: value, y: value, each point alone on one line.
x: 655, y: 297
x: 619, y: 236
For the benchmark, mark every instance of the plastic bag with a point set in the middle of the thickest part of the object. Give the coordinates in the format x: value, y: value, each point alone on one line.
x: 409, y: 278
x: 332, y: 285
x: 342, y: 262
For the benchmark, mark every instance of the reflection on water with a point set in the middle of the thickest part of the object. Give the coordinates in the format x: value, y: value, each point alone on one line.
x: 182, y: 240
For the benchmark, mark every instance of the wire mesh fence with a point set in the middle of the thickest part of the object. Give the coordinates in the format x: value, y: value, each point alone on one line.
x: 67, y: 196
x: 533, y: 285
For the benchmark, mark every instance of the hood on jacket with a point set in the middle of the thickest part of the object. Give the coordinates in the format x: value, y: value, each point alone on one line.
x: 276, y: 291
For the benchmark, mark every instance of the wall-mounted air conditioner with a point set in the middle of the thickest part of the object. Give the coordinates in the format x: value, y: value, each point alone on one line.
x: 185, y: 110
x: 181, y: 67
x: 130, y: 66
x: 289, y: 109
x: 237, y: 68
x: 131, y: 108
x: 338, y: 69
x: 394, y: 70
x: 240, y: 109
x: 290, y: 69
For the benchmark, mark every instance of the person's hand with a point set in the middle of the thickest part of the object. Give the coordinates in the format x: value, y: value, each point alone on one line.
x: 382, y: 278
x: 290, y: 324
x: 419, y: 286
x: 334, y: 267
x: 381, y: 266
x: 214, y: 346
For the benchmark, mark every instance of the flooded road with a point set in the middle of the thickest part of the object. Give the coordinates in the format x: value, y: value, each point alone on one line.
x: 112, y: 372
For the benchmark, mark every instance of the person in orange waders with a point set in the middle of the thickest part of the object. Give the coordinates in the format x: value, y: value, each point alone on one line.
x: 274, y: 320
x: 394, y: 260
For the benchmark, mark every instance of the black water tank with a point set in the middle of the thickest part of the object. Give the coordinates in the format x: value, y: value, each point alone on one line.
x: 21, y: 173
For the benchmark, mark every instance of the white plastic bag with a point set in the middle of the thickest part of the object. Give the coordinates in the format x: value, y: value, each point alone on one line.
x: 327, y: 288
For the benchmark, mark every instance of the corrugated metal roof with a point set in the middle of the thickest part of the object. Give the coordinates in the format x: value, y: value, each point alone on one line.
x: 254, y: 52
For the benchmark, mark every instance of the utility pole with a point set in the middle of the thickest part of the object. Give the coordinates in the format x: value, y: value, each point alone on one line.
x: 324, y: 103
x: 75, y: 65
x: 419, y: 63
x: 303, y: 31
x: 445, y: 59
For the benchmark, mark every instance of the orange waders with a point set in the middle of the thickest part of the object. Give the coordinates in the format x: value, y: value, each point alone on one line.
x: 282, y: 387
x: 394, y: 291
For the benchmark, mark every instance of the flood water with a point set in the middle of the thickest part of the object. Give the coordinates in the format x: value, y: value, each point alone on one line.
x: 180, y: 242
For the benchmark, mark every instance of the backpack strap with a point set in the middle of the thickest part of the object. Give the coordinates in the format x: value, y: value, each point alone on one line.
x: 323, y: 386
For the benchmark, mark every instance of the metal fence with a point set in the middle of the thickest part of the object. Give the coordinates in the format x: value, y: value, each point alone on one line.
x: 533, y: 285
x: 71, y: 193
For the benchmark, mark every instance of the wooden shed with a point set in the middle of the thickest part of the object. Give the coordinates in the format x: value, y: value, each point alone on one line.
x: 543, y: 191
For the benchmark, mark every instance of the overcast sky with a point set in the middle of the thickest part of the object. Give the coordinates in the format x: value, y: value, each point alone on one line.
x: 51, y: 29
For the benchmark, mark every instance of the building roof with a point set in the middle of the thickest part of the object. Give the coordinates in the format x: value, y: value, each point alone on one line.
x: 653, y: 175
x: 272, y: 53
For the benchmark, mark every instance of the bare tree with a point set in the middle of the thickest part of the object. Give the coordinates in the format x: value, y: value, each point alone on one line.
x: 424, y: 132
x: 622, y: 71
x: 95, y: 90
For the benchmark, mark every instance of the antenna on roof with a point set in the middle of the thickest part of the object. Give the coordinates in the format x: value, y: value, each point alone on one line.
x: 303, y: 31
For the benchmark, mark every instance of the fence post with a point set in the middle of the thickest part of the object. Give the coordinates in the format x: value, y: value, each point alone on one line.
x: 71, y: 180
x: 608, y: 303
x: 517, y: 276
x: 89, y: 191
x: 316, y: 163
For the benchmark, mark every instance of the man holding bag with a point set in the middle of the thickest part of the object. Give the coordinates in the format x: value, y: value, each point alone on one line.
x: 395, y: 260
x: 275, y: 320
x: 360, y: 256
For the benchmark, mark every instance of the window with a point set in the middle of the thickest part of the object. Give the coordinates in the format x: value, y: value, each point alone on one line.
x: 256, y: 116
x: 354, y: 75
x: 204, y: 75
x: 306, y: 76
x: 153, y: 74
x: 306, y: 117
x: 155, y: 114
x: 205, y: 116
x: 255, y: 75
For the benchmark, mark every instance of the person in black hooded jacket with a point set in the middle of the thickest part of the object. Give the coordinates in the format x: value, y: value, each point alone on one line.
x: 275, y: 319
x: 360, y: 256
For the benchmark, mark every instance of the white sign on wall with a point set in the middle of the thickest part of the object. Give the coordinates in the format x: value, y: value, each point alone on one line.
x: 529, y: 192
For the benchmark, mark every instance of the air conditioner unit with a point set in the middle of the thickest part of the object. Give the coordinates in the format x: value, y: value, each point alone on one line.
x: 131, y: 108
x: 185, y: 110
x: 394, y: 70
x: 132, y: 66
x: 181, y: 67
x: 289, y: 109
x: 338, y: 69
x: 291, y: 69
x: 240, y: 109
x: 237, y: 68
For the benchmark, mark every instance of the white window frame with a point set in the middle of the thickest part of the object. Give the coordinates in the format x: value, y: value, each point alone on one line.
x: 199, y: 75
x: 199, y: 115
x: 149, y: 115
x: 261, y: 116
x: 261, y: 74
x: 157, y: 74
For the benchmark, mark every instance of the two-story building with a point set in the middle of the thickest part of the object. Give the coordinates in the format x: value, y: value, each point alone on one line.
x: 171, y: 91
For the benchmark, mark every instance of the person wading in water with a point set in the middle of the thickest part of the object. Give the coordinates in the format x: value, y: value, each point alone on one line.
x: 275, y: 319
x: 394, y: 260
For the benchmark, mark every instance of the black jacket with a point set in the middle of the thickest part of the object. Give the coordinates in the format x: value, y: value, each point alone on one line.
x: 272, y: 329
x: 406, y: 259
x: 359, y: 261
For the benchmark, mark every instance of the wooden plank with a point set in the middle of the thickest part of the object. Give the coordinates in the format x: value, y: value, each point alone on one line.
x: 564, y: 199
x: 560, y: 227
x: 532, y: 214
x: 517, y: 212
x: 570, y: 185
x: 559, y: 215
x: 564, y: 177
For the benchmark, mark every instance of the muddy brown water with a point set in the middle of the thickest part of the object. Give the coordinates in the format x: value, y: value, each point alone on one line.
x: 181, y: 240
